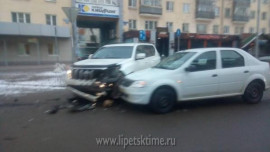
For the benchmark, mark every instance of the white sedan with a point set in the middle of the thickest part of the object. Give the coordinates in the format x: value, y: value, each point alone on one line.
x: 198, y: 74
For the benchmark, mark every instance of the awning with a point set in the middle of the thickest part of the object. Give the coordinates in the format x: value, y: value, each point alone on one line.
x: 245, y: 42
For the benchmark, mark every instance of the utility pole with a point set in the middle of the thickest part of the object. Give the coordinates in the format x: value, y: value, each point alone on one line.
x: 257, y: 48
x: 221, y: 17
x: 56, y: 47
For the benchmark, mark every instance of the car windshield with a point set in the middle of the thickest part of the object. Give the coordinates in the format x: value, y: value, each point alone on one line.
x: 115, y: 52
x: 84, y: 52
x: 175, y: 61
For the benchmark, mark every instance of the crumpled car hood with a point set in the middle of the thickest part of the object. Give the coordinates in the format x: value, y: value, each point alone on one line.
x: 100, y: 62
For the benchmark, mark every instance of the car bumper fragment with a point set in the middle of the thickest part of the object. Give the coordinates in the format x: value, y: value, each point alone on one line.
x: 89, y: 97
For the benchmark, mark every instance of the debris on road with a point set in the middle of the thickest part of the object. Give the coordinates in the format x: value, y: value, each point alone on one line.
x: 108, y: 103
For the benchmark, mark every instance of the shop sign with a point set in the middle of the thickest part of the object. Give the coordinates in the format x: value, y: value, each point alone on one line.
x: 98, y: 10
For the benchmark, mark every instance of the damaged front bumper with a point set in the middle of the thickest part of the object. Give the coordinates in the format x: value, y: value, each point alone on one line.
x: 94, y: 82
x: 91, y: 90
x: 89, y: 97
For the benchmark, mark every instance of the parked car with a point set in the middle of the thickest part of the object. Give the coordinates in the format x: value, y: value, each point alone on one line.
x: 99, y: 75
x: 198, y: 74
x: 265, y: 58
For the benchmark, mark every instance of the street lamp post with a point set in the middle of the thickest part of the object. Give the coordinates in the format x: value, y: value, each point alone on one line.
x: 71, y: 13
x: 56, y: 43
x: 257, y: 48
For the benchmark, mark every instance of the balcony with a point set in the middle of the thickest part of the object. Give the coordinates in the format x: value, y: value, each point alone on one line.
x: 240, y: 11
x: 205, y: 10
x: 21, y: 29
x: 149, y: 10
x: 238, y: 18
x: 243, y: 3
x: 205, y: 15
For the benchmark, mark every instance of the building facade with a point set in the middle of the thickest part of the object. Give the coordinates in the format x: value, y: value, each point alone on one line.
x: 34, y: 32
x: 204, y: 23
x: 197, y: 16
x: 37, y: 31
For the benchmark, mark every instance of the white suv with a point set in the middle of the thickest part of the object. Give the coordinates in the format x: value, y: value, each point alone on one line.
x: 98, y: 76
x: 198, y: 74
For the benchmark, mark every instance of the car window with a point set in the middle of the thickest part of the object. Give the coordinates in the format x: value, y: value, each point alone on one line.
x: 205, y: 61
x: 115, y: 52
x: 140, y: 49
x: 230, y: 59
x: 175, y: 61
x: 147, y: 49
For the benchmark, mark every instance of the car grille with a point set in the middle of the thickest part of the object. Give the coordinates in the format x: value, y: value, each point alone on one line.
x: 126, y: 82
x: 82, y: 74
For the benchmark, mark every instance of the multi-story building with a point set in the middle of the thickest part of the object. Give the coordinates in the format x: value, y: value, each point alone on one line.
x: 34, y: 32
x: 203, y: 23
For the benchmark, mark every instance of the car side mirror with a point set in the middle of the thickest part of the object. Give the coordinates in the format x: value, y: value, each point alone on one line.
x: 191, y: 68
x: 90, y: 56
x: 140, y: 56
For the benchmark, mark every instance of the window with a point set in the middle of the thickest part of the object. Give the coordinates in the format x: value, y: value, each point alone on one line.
x: 132, y: 24
x: 265, y: 1
x: 100, y: 1
x: 215, y: 29
x: 251, y: 30
x: 205, y: 61
x: 264, y: 16
x: 24, y: 49
x: 147, y: 49
x: 170, y: 25
x: 231, y: 59
x: 252, y: 14
x: 216, y: 11
x: 185, y: 27
x: 116, y: 52
x: 150, y: 25
x: 263, y: 30
x: 169, y: 6
x: 20, y: 17
x: 51, y: 49
x: 226, y: 30
x: 108, y: 2
x: 50, y: 19
x: 155, y: 3
x: 50, y: 0
x: 186, y: 8
x: 239, y: 30
x: 227, y: 12
x: 132, y: 3
x: 201, y: 28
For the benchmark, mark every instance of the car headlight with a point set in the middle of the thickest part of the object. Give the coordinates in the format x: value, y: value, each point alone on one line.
x: 138, y: 84
x: 69, y: 74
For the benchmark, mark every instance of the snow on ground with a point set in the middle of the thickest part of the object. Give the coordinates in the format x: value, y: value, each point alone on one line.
x: 19, y: 83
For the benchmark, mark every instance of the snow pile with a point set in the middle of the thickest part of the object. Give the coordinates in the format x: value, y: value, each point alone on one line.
x: 29, y: 82
x: 58, y: 67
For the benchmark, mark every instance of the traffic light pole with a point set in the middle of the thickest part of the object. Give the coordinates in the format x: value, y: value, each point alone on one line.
x: 257, y: 48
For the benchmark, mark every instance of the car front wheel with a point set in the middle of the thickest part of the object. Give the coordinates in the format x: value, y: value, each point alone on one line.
x: 253, y: 93
x: 163, y: 100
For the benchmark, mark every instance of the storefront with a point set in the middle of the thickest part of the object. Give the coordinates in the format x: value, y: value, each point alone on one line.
x: 192, y: 40
x: 101, y: 18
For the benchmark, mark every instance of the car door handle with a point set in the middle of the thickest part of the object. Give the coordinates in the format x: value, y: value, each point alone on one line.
x: 214, y: 75
x: 246, y: 71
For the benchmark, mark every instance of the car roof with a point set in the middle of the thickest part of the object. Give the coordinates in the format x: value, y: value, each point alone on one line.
x: 127, y: 44
x: 209, y: 49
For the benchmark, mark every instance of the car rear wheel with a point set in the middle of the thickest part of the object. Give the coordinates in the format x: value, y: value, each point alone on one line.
x: 253, y: 93
x: 163, y: 100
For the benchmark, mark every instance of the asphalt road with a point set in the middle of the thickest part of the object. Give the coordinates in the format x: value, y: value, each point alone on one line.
x: 220, y: 125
